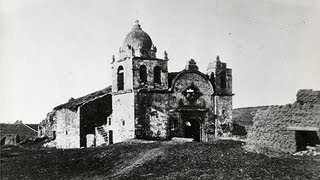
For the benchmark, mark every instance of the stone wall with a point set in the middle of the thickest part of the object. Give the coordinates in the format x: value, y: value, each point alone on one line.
x: 201, y: 107
x: 93, y: 114
x: 150, y: 64
x: 162, y: 114
x: 242, y: 119
x: 308, y: 96
x: 123, y: 119
x: 47, y: 127
x: 271, y: 126
x: 127, y: 72
x: 152, y: 115
x: 224, y: 115
x: 102, y: 135
x: 68, y: 129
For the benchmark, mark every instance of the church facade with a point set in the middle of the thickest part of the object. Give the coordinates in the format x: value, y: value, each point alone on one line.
x: 148, y: 102
x: 145, y: 101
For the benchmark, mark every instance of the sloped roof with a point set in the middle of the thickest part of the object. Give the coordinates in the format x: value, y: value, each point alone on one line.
x: 23, y: 130
x: 75, y: 103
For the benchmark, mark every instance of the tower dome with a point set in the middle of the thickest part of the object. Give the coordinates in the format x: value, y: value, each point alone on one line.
x: 137, y: 38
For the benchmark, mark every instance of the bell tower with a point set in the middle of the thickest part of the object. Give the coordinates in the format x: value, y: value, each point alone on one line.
x: 221, y: 79
x: 137, y: 68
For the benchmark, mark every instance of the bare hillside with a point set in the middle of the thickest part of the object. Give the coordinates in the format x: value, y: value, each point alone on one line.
x: 155, y: 160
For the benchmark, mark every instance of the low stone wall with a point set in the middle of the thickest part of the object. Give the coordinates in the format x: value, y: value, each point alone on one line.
x: 270, y: 126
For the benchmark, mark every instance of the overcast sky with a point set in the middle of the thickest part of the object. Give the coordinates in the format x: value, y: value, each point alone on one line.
x: 51, y: 50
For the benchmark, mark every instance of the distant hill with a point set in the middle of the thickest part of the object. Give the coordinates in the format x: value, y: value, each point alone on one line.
x: 244, y: 116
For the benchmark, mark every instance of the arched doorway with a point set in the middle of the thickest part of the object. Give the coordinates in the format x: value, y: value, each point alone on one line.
x: 192, y: 129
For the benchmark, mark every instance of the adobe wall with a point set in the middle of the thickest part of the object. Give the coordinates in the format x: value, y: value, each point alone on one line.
x: 242, y: 119
x: 123, y: 112
x: 68, y: 129
x: 270, y: 126
x: 308, y: 96
x: 152, y: 115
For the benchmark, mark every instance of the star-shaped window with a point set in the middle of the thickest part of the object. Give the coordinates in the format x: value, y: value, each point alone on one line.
x: 192, y: 93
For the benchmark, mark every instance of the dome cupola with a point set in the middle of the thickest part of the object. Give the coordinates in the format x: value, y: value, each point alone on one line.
x: 137, y: 38
x: 137, y: 44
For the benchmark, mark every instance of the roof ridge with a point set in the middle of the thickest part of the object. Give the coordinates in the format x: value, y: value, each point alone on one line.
x: 30, y: 128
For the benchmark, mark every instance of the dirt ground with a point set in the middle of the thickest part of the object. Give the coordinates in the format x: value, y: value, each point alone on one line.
x: 224, y: 159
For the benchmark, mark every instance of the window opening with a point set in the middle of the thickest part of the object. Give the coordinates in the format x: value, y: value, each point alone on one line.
x: 157, y: 75
x: 143, y: 73
x: 120, y: 78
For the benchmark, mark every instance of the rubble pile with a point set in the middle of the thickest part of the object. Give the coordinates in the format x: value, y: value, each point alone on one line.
x: 311, y: 151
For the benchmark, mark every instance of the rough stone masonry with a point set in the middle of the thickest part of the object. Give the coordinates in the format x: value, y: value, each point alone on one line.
x: 290, y: 127
x: 146, y: 101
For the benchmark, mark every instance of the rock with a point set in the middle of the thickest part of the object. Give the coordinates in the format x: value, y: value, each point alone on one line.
x: 311, y: 148
x: 179, y: 139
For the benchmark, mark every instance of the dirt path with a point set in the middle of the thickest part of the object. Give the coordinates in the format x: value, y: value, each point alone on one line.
x: 145, y: 157
x: 140, y: 160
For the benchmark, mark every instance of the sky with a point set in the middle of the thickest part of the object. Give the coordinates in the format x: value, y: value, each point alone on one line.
x: 52, y: 50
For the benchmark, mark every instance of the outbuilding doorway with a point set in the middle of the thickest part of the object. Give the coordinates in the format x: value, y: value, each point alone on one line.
x: 306, y: 138
x: 192, y: 129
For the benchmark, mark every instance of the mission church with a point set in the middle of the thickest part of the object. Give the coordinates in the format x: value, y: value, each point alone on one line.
x: 145, y: 101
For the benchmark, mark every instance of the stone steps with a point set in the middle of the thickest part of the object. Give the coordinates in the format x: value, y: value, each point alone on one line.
x: 103, y: 133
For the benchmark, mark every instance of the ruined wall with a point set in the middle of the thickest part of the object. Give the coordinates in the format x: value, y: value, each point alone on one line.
x: 123, y: 118
x: 270, y: 126
x: 242, y: 119
x: 308, y: 96
x: 48, y: 126
x: 152, y: 115
x: 93, y: 114
x: 162, y: 114
x: 68, y: 128
x: 224, y: 115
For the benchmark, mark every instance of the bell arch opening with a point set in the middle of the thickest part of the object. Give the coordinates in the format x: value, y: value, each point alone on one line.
x: 120, y: 78
x: 157, y: 75
x: 143, y: 73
